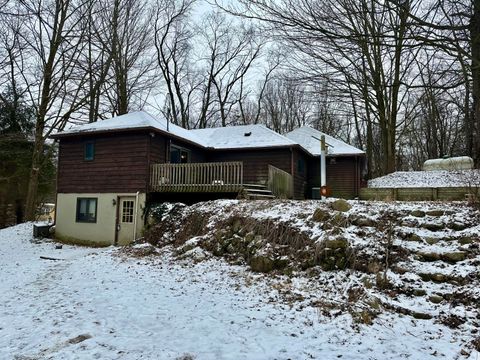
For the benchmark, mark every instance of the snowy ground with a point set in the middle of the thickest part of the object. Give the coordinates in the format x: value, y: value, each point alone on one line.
x: 420, y: 179
x: 106, y: 304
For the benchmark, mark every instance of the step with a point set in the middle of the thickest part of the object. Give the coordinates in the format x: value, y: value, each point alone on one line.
x: 254, y: 186
x: 260, y: 197
x: 258, y: 191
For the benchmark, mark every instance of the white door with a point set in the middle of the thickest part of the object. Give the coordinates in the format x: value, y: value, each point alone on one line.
x: 125, y: 220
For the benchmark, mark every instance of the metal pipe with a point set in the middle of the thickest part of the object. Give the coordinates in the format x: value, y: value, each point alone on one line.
x: 323, y: 167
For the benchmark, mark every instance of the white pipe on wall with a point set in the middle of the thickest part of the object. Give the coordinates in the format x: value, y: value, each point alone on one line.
x: 135, y: 217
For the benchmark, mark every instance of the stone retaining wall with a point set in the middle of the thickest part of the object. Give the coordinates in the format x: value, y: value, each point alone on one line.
x: 419, y: 194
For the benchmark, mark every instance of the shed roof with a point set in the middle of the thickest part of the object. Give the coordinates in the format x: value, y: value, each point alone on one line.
x: 309, y: 138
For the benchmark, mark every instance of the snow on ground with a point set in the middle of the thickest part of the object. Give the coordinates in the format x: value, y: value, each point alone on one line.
x: 421, y: 179
x: 107, y: 304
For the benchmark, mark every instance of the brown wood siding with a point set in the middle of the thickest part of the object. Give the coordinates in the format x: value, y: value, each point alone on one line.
x: 120, y: 164
x: 299, y: 174
x: 158, y: 149
x: 343, y: 177
x: 255, y: 162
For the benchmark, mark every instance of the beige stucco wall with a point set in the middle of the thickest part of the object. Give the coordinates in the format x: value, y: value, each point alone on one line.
x: 100, y: 233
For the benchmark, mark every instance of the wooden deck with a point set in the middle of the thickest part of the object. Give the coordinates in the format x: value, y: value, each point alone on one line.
x: 197, y: 177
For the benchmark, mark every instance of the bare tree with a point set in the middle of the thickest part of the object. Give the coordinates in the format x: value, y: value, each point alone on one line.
x: 172, y: 38
x: 231, y: 49
x: 130, y: 45
x: 50, y: 39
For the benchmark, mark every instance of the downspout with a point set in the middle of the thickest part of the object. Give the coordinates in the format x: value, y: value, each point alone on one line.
x: 292, y: 170
x: 323, y: 166
x: 135, y: 217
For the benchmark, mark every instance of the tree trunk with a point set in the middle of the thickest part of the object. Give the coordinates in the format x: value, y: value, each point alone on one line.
x: 30, y: 205
x: 475, y: 45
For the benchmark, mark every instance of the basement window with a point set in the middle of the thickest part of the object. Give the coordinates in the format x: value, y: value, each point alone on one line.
x: 86, y: 210
x: 89, y: 151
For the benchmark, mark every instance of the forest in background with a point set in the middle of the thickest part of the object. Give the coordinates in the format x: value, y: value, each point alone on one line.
x: 398, y: 78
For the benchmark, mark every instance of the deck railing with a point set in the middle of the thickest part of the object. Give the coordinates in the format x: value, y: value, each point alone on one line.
x: 280, y: 183
x: 197, y: 177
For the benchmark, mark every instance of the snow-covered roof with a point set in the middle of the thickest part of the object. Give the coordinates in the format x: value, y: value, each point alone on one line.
x: 421, y: 179
x: 309, y: 139
x: 135, y: 120
x: 229, y: 137
x: 243, y: 136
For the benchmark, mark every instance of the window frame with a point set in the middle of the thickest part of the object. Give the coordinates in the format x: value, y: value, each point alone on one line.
x: 77, y: 213
x: 181, y: 149
x: 85, y: 147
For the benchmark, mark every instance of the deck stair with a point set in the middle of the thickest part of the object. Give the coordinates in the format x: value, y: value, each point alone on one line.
x: 257, y: 192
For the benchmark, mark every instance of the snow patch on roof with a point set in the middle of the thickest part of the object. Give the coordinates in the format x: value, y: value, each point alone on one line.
x: 308, y: 138
x: 421, y: 179
x: 243, y: 136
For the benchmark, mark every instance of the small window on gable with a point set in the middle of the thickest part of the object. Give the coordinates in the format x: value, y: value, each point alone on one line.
x: 89, y: 151
x: 86, y: 210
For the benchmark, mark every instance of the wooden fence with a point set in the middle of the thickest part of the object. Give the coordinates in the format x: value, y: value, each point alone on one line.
x: 197, y: 177
x: 419, y: 194
x: 280, y: 183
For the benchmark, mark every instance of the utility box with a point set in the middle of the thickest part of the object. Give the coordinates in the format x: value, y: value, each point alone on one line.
x: 41, y: 231
x: 316, y: 193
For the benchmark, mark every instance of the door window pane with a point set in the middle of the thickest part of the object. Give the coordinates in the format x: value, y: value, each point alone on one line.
x: 127, y: 211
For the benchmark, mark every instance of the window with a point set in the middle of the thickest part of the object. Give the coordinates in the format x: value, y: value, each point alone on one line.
x: 300, y: 166
x: 89, y: 152
x: 179, y: 155
x: 87, y: 210
x: 127, y: 211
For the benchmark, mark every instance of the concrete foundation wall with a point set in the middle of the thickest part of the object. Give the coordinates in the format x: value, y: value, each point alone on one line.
x: 102, y: 232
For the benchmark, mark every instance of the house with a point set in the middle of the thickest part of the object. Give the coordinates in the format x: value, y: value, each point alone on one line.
x: 109, y: 171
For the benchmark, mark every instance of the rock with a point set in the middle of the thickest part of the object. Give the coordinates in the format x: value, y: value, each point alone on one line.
x: 341, y: 205
x: 433, y: 226
x: 431, y: 240
x: 436, y: 299
x: 338, y: 243
x: 454, y: 257
x: 338, y: 220
x: 79, y: 338
x: 374, y: 267
x: 418, y: 213
x: 437, y: 277
x: 362, y: 221
x: 457, y: 226
x: 429, y: 256
x: 321, y: 215
x: 261, y: 264
x: 413, y: 237
x: 435, y: 213
x: 465, y: 240
x: 421, y: 316
x: 419, y: 292
x: 237, y: 225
